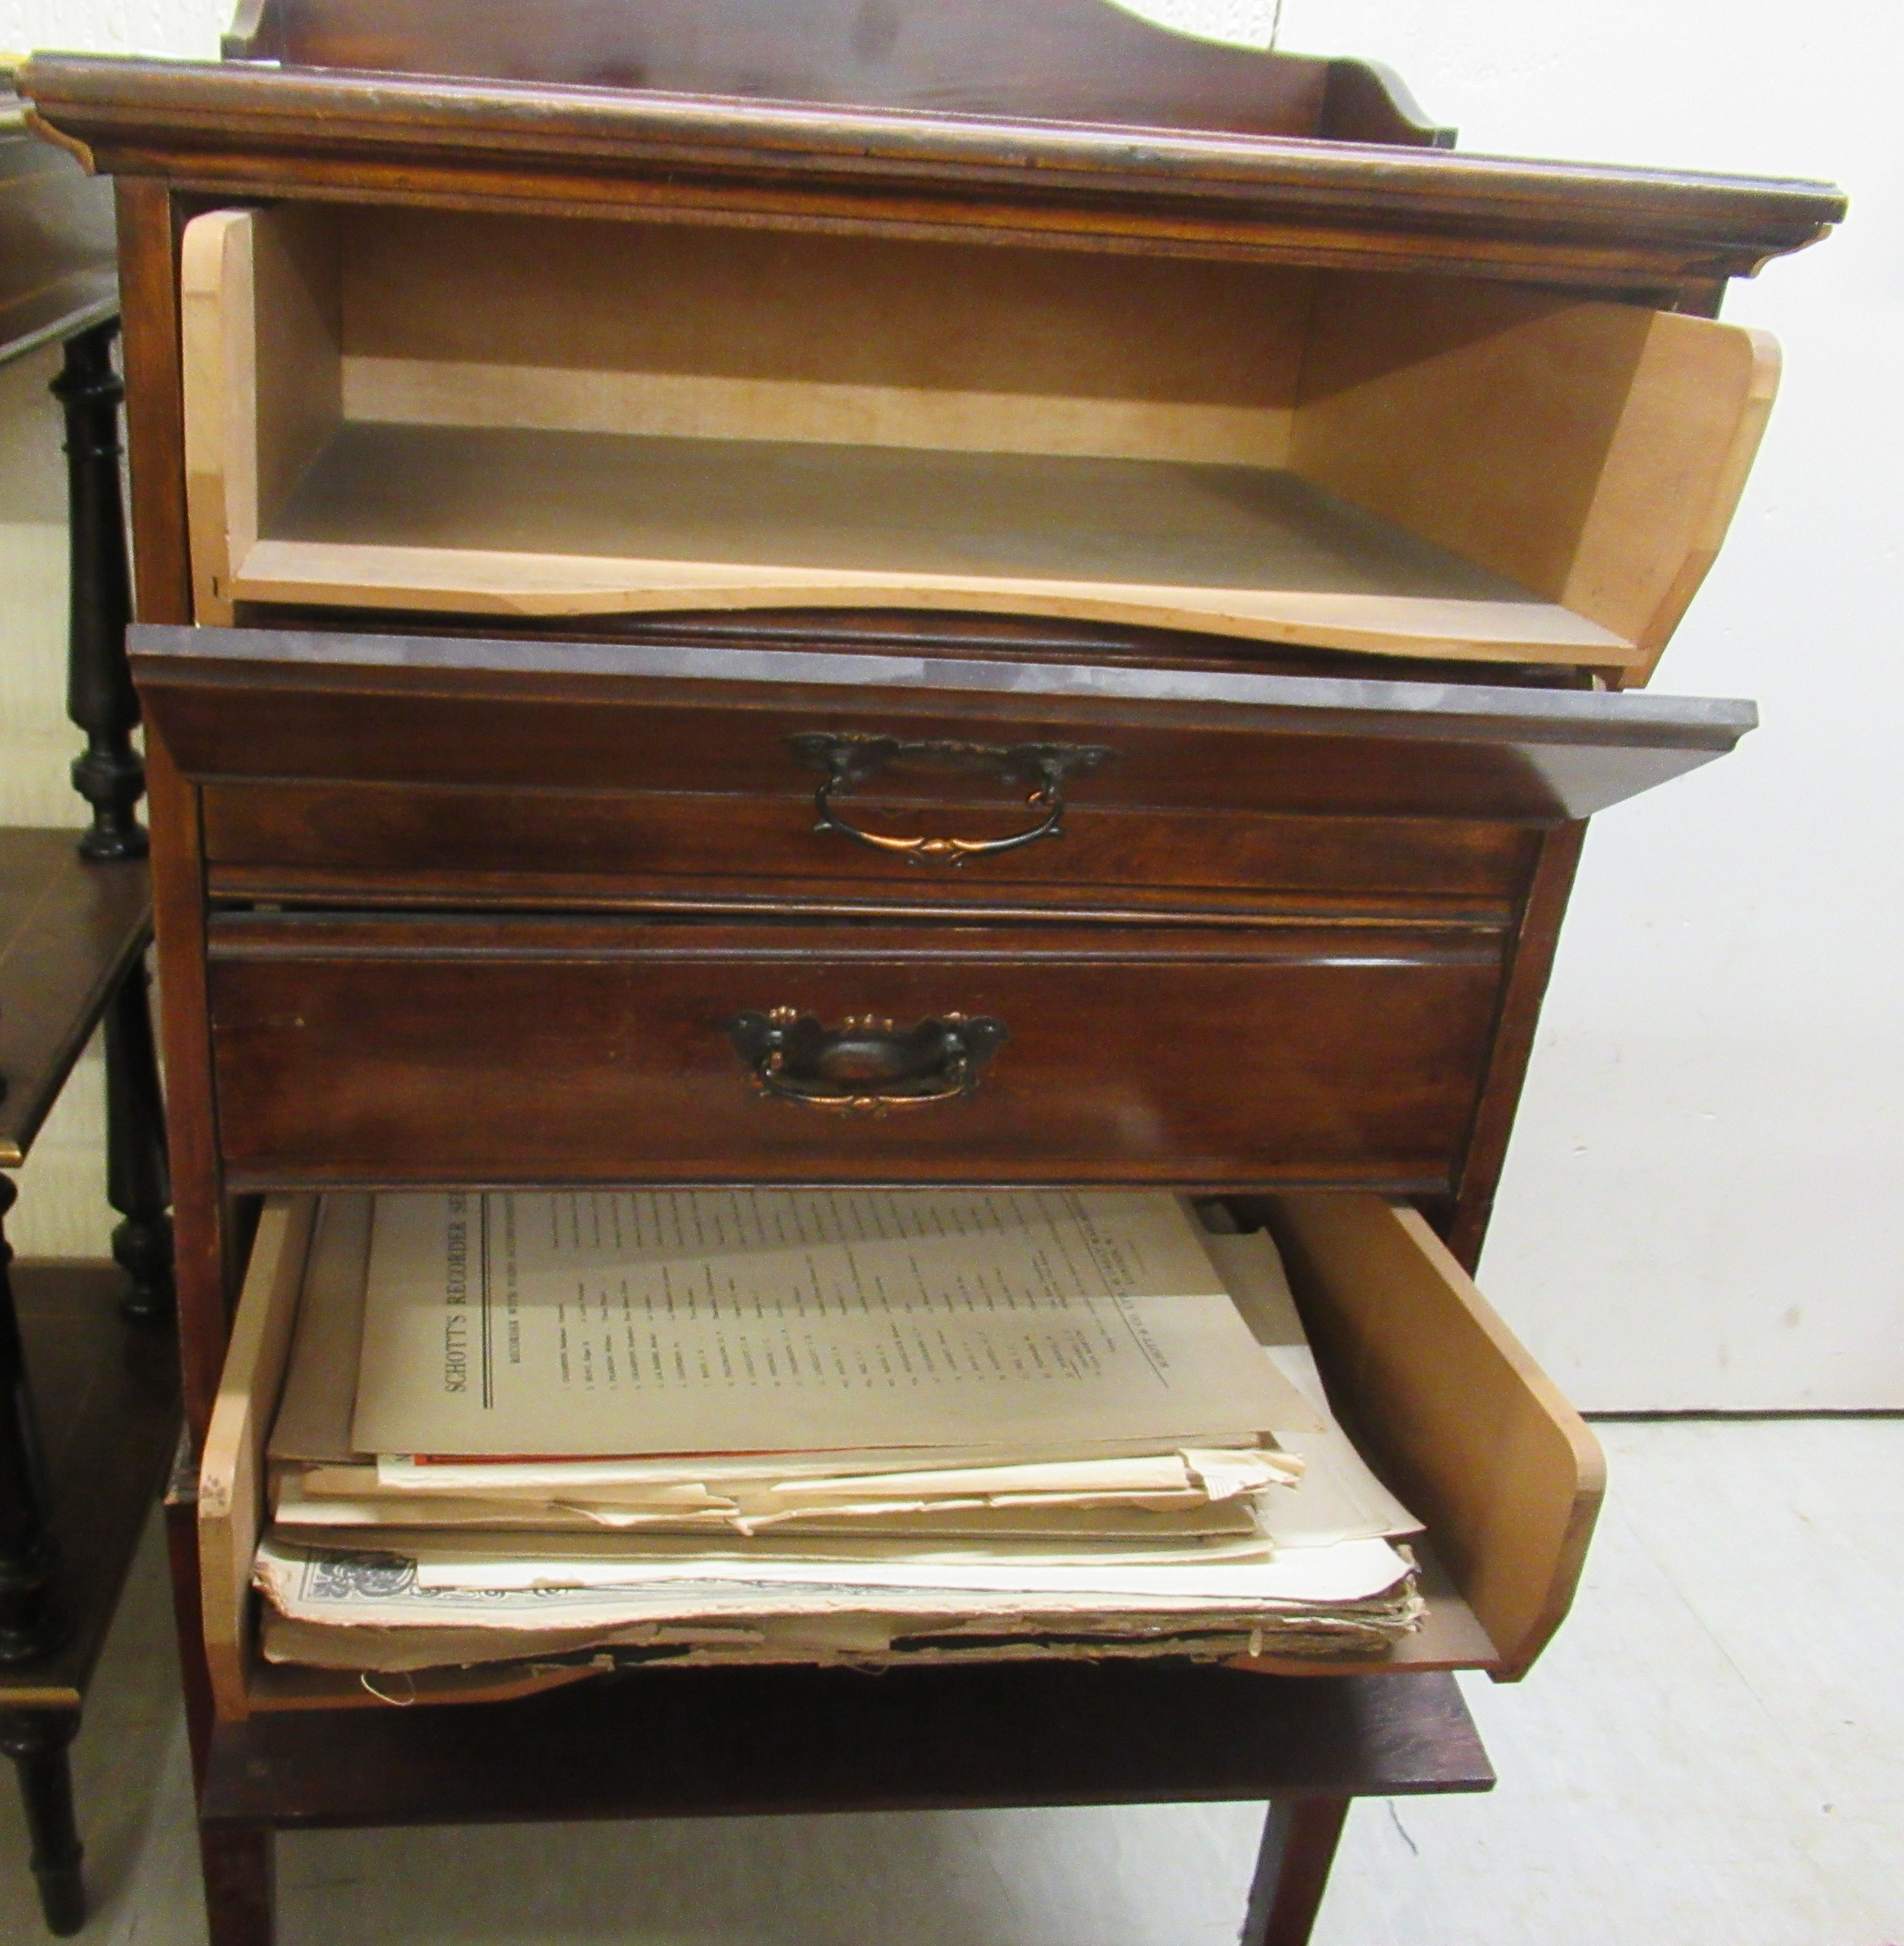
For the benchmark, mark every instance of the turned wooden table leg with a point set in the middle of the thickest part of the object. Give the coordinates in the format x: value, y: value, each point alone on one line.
x: 29, y: 1623
x: 36, y: 1739
x: 99, y: 695
x: 1299, y: 1845
x: 138, y: 1184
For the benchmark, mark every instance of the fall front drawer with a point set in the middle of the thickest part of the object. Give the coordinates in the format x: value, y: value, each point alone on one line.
x: 354, y: 768
x: 389, y: 1050
x: 1446, y: 1405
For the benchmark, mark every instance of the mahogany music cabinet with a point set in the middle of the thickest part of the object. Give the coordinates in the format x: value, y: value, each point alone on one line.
x: 891, y: 592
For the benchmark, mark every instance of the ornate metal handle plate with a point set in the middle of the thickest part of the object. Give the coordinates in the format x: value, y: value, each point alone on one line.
x: 866, y: 1065
x: 849, y: 760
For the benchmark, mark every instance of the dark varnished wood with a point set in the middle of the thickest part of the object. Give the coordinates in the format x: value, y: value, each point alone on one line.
x: 662, y: 1743
x: 149, y: 224
x: 138, y: 1183
x: 107, y: 1398
x: 36, y: 1740
x: 100, y: 696
x: 56, y: 241
x: 82, y: 1409
x: 240, y: 1886
x: 203, y: 1269
x: 436, y: 710
x: 1299, y: 1835
x: 32, y: 1623
x: 180, y: 1513
x: 420, y: 1051
x: 68, y: 932
x: 1077, y: 60
x: 1314, y: 923
x: 235, y: 132
x: 947, y: 634
x: 1536, y: 940
x: 468, y: 846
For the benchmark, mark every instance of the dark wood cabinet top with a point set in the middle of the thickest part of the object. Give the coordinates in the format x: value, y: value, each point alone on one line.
x: 1052, y: 164
x: 1315, y: 742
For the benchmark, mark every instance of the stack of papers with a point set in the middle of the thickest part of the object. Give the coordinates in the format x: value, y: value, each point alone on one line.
x: 871, y: 1427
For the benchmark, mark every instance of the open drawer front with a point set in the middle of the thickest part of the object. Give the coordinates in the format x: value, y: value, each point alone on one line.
x: 352, y: 769
x: 397, y: 409
x: 1447, y: 1406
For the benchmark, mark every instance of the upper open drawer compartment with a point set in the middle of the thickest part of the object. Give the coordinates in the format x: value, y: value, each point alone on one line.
x: 404, y: 409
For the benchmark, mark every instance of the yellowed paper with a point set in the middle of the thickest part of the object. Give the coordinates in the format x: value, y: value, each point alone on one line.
x: 314, y: 1415
x: 1340, y: 1500
x: 614, y: 1323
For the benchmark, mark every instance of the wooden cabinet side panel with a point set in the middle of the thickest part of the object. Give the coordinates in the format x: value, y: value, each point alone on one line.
x: 148, y: 239
x: 201, y: 1246
x: 1471, y: 1434
x: 218, y: 376
x: 1591, y: 452
x: 1531, y: 962
x: 232, y: 1501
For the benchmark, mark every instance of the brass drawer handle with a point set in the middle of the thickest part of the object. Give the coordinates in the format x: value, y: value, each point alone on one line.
x: 851, y: 759
x: 866, y: 1065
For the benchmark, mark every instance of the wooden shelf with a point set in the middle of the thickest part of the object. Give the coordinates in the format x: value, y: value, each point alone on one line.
x: 445, y: 412
x: 536, y: 521
x: 694, y: 1742
x: 69, y: 929
x: 106, y: 1394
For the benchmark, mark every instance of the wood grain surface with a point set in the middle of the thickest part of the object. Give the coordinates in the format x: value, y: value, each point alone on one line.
x: 56, y: 271
x: 1076, y: 59
x: 509, y: 714
x: 378, y: 416
x: 237, y: 130
x: 233, y: 1501
x: 69, y: 929
x: 450, y: 845
x: 105, y: 1399
x: 722, y: 1741
x: 1467, y: 1428
x: 416, y: 1050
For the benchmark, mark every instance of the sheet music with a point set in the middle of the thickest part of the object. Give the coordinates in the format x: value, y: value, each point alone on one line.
x: 620, y: 1322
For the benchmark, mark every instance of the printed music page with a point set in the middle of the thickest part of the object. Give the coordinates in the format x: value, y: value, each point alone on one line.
x: 725, y: 1321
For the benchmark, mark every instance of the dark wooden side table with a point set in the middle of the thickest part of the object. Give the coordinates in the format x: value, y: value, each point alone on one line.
x: 727, y: 1742
x: 485, y: 805
x: 84, y: 1450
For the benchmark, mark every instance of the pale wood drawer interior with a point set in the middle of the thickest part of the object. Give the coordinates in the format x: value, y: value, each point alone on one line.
x: 479, y: 413
x: 1446, y: 1403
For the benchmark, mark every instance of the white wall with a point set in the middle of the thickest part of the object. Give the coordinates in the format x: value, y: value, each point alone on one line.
x: 1699, y: 1207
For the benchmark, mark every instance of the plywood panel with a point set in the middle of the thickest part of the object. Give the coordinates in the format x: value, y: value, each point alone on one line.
x: 854, y: 311
x: 231, y: 1477
x: 1592, y: 452
x: 1473, y: 1433
x: 220, y: 358
x: 262, y: 376
x: 297, y: 335
x: 433, y: 392
x: 512, y: 520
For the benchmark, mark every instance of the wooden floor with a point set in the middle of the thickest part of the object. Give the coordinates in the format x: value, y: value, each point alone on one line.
x: 1706, y: 1757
